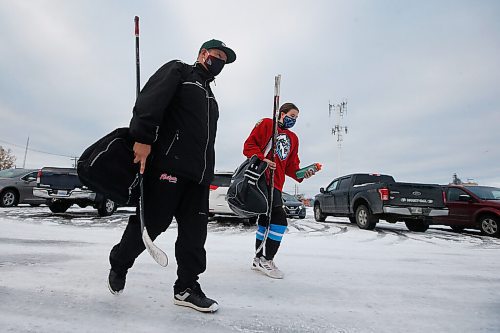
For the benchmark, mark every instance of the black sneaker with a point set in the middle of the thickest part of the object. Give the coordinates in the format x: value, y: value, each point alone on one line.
x: 196, y: 299
x: 116, y: 282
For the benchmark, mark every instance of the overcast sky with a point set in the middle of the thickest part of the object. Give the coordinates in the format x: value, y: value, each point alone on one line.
x: 421, y: 78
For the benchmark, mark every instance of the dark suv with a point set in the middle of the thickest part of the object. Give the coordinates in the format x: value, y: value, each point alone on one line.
x: 293, y: 207
x: 472, y: 206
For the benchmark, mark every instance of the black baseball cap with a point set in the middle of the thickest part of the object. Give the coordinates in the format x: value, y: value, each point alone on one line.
x: 217, y: 44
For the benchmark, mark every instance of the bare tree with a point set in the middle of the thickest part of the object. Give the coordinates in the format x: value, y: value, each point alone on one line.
x: 6, y: 158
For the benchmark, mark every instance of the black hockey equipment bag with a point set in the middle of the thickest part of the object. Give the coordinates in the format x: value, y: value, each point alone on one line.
x: 247, y: 195
x: 107, y: 167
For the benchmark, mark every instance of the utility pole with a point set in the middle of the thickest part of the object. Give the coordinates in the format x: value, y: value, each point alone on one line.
x: 338, y: 111
x: 26, y: 152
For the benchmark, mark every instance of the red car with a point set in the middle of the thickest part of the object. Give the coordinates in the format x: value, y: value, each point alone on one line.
x: 472, y: 206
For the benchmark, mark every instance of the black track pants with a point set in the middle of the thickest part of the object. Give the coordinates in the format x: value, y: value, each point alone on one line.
x: 167, y: 196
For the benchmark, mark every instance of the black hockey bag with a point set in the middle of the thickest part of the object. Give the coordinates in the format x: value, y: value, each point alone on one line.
x: 247, y: 195
x: 107, y: 167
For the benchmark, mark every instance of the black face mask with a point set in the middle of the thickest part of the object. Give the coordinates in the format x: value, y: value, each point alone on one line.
x: 214, y: 65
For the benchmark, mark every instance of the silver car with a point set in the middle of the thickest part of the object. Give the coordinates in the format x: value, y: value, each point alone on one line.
x: 16, y: 186
x: 218, y: 189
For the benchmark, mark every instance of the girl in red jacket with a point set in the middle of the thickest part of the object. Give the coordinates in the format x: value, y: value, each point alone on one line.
x: 286, y: 162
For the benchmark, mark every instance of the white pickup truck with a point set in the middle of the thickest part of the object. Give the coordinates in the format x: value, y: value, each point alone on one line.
x: 63, y: 187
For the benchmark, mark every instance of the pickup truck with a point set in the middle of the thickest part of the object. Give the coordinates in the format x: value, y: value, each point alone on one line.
x: 366, y: 198
x: 63, y: 188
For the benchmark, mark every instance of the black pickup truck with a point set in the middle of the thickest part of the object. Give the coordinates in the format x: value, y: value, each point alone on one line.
x: 63, y: 188
x: 366, y: 198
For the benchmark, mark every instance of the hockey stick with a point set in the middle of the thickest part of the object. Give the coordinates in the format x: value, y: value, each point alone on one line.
x: 158, y: 255
x: 277, y: 82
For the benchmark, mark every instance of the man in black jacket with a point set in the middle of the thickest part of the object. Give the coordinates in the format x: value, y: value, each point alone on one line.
x: 174, y: 125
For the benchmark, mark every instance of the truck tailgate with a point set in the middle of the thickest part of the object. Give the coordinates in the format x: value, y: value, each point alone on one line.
x: 415, y: 195
x: 59, y: 179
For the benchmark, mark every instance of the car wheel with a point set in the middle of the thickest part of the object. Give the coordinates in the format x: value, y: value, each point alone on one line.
x: 352, y: 219
x: 106, y: 208
x: 59, y: 206
x: 318, y: 214
x: 489, y: 225
x: 9, y: 198
x: 250, y: 221
x: 417, y: 225
x: 365, y: 219
x: 457, y: 228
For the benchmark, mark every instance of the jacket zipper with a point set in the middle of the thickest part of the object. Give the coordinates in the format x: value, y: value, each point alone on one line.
x: 176, y: 137
x: 208, y: 135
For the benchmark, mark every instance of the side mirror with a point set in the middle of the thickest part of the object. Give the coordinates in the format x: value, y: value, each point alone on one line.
x: 464, y: 197
x: 321, y: 190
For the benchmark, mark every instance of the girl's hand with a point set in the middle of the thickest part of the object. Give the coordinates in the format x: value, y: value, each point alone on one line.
x: 309, y: 173
x: 270, y: 164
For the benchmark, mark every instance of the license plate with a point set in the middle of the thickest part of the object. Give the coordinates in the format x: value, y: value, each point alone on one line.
x: 62, y: 192
x: 416, y: 210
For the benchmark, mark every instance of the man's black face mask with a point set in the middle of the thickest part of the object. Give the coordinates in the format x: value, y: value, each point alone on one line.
x: 214, y: 65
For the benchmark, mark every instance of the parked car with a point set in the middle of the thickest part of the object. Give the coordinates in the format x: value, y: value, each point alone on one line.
x: 217, y: 204
x: 16, y: 186
x: 366, y: 198
x: 63, y: 188
x: 293, y: 207
x: 473, y: 206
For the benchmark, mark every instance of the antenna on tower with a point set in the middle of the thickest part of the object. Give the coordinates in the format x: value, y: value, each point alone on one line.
x: 338, y: 111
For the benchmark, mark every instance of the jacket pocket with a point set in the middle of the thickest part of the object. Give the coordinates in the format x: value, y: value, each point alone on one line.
x: 174, y: 139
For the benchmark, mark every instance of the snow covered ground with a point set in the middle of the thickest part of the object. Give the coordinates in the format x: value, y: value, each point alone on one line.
x: 53, y: 271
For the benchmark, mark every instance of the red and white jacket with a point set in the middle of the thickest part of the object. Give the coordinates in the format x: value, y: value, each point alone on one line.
x: 286, y: 153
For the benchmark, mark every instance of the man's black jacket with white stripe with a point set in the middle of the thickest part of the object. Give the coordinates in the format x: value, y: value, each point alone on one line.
x: 176, y: 112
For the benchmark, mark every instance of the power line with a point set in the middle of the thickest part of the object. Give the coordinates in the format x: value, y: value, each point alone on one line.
x: 36, y: 150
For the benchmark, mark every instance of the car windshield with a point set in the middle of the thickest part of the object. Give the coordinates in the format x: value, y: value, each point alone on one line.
x: 289, y: 197
x: 13, y: 173
x: 485, y: 192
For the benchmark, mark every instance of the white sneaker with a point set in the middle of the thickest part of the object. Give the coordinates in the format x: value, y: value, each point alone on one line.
x: 255, y: 263
x: 269, y: 268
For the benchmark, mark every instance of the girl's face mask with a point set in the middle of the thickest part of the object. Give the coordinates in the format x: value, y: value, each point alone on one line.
x: 288, y: 122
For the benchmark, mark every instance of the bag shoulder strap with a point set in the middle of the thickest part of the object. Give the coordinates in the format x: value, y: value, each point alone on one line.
x: 268, y: 146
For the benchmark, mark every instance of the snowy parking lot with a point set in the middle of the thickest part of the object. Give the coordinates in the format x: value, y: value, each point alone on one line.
x: 338, y: 278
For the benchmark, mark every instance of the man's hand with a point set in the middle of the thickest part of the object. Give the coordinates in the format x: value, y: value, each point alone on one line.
x: 141, y: 153
x: 270, y: 164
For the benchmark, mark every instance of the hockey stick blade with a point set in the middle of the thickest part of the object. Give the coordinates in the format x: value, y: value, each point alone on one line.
x: 154, y: 251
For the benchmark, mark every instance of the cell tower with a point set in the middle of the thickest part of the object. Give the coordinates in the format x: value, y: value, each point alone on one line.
x: 338, y: 111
